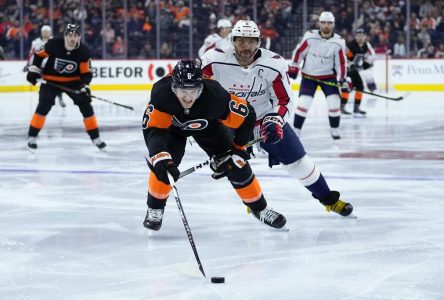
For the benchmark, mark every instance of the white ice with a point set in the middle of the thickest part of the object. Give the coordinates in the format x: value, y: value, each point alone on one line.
x: 71, y: 216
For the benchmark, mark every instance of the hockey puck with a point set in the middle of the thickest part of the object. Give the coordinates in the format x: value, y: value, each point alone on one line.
x: 218, y: 279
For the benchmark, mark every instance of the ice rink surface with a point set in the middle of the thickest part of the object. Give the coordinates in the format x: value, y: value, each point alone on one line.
x: 71, y: 216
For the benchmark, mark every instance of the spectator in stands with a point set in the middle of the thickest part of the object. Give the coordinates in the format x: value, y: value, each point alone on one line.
x: 165, y: 50
x: 181, y: 14
x: 118, y: 49
x: 2, y: 53
x: 427, y: 52
x: 423, y: 35
x: 269, y: 35
x: 440, y: 51
x: 109, y: 34
x: 147, y: 51
x: 399, y: 50
x: 429, y: 22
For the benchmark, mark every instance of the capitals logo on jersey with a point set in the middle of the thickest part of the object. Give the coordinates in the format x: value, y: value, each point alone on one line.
x: 64, y: 66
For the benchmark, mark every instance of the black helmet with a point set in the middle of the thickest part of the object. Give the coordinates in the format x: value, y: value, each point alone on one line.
x: 74, y: 28
x: 360, y: 30
x: 187, y: 74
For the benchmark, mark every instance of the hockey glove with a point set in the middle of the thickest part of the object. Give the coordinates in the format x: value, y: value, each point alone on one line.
x: 161, y: 164
x: 34, y: 73
x: 85, y: 91
x: 223, y: 166
x: 293, y: 72
x: 345, y: 88
x: 271, y: 128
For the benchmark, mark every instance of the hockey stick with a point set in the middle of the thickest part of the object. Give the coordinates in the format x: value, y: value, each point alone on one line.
x: 185, y: 223
x: 364, y: 92
x: 77, y: 92
x: 207, y: 162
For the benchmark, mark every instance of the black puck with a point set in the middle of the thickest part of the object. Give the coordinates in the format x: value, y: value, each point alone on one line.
x: 217, y: 279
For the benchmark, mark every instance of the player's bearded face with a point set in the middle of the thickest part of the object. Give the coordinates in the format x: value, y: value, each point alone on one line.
x: 71, y: 40
x: 187, y: 97
x: 326, y: 27
x: 360, y: 38
x: 245, y: 47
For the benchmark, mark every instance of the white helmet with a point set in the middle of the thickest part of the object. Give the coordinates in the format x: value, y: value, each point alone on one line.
x: 45, y: 28
x: 224, y: 23
x: 245, y: 29
x: 326, y: 16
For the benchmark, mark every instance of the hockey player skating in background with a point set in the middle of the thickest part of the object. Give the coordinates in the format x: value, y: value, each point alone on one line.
x: 359, y: 51
x: 37, y: 44
x: 260, y: 76
x: 182, y: 105
x: 219, y: 40
x: 68, y: 64
x: 323, y: 53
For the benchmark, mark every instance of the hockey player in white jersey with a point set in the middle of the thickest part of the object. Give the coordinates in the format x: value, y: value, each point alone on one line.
x: 221, y: 40
x: 45, y: 35
x: 260, y: 76
x: 323, y: 55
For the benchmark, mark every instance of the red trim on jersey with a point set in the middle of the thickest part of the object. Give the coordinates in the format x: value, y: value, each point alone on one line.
x: 281, y: 94
x: 342, y: 63
x: 303, y: 109
x: 211, y: 47
x: 208, y: 71
x: 299, y: 51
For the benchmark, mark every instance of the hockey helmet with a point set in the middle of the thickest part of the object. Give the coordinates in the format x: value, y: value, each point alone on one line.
x: 72, y: 28
x: 187, y: 74
x: 326, y: 16
x: 245, y: 29
x: 46, y: 28
x: 224, y: 23
x: 360, y: 31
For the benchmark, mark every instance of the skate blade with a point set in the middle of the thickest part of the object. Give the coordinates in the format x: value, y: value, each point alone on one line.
x: 351, y: 216
x: 284, y: 229
x: 31, y: 150
x: 149, y: 233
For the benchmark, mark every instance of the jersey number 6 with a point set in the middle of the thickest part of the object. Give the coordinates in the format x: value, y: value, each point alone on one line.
x: 239, y: 108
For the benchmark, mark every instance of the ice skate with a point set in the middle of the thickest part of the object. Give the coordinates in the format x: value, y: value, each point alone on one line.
x: 333, y: 203
x: 32, y: 143
x: 99, y: 143
x: 61, y: 101
x: 358, y: 113
x: 153, y: 219
x: 270, y: 217
x: 344, y: 111
x: 334, y: 132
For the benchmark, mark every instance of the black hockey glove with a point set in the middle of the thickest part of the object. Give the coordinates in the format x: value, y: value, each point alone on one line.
x: 293, y: 71
x: 271, y: 128
x: 224, y: 165
x: 34, y: 73
x: 161, y: 164
x: 85, y: 91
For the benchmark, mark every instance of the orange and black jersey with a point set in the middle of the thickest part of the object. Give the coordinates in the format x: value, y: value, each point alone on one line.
x: 353, y: 49
x: 164, y: 113
x: 63, y: 65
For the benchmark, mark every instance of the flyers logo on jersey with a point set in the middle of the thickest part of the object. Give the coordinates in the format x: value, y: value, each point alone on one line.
x: 198, y: 124
x: 65, y: 66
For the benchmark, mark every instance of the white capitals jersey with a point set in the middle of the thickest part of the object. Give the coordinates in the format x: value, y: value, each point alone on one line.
x: 323, y: 58
x: 35, y: 46
x: 215, y: 41
x: 264, y: 83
